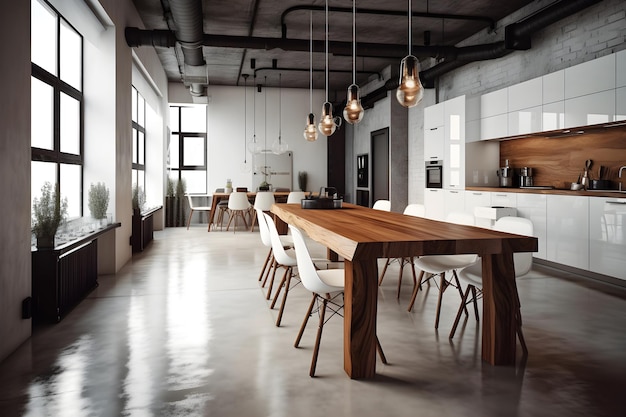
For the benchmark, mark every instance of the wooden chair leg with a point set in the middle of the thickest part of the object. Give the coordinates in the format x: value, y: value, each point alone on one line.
x: 189, y: 219
x: 415, y: 290
x: 458, y: 314
x: 267, y: 259
x: 305, y: 321
x: 318, y: 338
x: 442, y: 287
x: 382, y: 274
x: 253, y: 220
x: 379, y: 348
x: 403, y: 262
x: 285, y: 294
x: 280, y: 287
x: 475, y: 295
x: 269, y: 290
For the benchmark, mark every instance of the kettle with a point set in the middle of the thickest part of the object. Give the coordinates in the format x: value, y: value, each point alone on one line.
x: 505, y: 175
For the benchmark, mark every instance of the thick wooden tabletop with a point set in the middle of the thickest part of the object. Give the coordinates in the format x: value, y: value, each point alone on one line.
x: 356, y: 232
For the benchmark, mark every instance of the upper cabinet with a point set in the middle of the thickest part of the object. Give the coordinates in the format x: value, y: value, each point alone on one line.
x: 590, y: 77
x: 493, y: 114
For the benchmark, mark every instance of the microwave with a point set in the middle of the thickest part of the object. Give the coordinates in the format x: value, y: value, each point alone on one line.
x: 434, y: 174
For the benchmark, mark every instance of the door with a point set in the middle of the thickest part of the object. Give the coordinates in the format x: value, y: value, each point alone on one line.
x: 380, y: 164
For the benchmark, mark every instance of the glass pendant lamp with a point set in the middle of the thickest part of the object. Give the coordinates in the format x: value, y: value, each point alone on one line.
x: 353, y: 112
x: 410, y: 90
x: 310, y: 131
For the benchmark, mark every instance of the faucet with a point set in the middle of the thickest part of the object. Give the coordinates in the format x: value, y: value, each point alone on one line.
x: 619, y: 175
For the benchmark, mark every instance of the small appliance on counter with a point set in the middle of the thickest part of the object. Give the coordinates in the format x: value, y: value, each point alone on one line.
x: 505, y: 175
x: 327, y: 199
x: 526, y: 177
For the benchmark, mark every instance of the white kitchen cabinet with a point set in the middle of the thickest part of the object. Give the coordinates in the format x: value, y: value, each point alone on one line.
x: 454, y: 152
x: 434, y: 204
x: 553, y: 87
x: 553, y: 116
x: 433, y: 116
x: 534, y: 208
x: 607, y: 236
x: 494, y: 103
x: 494, y: 127
x: 590, y: 109
x: 567, y: 231
x: 504, y: 199
x: 475, y: 199
x: 454, y: 201
x: 620, y: 69
x: 434, y: 144
x: 525, y: 121
x: 590, y: 77
x: 620, y: 104
x: 525, y: 95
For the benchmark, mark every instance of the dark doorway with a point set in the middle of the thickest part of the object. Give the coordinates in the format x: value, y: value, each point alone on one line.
x: 380, y: 164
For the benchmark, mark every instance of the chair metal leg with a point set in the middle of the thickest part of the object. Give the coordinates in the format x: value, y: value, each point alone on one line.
x: 318, y: 338
x: 306, y: 320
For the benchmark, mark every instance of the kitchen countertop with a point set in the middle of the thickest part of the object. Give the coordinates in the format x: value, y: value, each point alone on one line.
x: 553, y: 191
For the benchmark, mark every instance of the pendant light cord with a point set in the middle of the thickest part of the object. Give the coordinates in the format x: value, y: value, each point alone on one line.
x: 353, y: 41
x: 410, y: 28
x: 245, y: 116
x: 280, y: 108
x: 311, y: 62
x: 326, y: 50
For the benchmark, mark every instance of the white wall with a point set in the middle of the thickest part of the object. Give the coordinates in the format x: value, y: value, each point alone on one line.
x: 228, y: 135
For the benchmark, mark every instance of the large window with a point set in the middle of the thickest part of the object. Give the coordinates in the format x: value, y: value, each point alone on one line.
x: 139, y: 139
x: 56, y: 105
x: 188, y: 147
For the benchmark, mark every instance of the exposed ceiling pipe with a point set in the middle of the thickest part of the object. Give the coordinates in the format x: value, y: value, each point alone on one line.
x: 315, y: 70
x: 188, y: 18
x: 484, y: 19
x: 517, y: 37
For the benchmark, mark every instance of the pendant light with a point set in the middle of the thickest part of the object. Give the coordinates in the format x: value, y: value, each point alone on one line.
x: 310, y: 131
x: 410, y: 90
x: 245, y: 167
x: 328, y: 123
x: 353, y: 112
x: 254, y: 146
x: 278, y: 146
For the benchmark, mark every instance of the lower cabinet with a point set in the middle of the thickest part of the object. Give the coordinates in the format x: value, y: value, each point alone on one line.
x: 568, y: 230
x: 534, y: 208
x: 434, y: 204
x: 607, y: 236
x: 454, y: 201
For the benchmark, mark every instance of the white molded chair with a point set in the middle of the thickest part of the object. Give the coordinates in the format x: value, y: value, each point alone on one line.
x: 440, y: 264
x: 473, y: 275
x: 270, y: 261
x: 384, y: 205
x: 238, y: 206
x: 192, y: 208
x: 262, y: 201
x: 296, y: 197
x: 327, y: 286
x: 416, y: 210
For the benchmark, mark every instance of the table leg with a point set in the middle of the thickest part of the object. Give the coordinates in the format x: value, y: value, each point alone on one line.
x: 360, y: 296
x: 500, y: 305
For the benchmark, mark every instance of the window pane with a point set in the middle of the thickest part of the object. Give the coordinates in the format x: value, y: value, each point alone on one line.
x: 142, y: 144
x: 174, y: 151
x: 195, y: 181
x: 70, y: 188
x: 70, y: 124
x: 193, y: 119
x: 134, y: 105
x: 40, y: 172
x: 141, y: 180
x: 174, y: 119
x: 135, y: 159
x: 193, y: 151
x: 71, y: 56
x: 141, y: 110
x: 42, y: 102
x: 43, y: 37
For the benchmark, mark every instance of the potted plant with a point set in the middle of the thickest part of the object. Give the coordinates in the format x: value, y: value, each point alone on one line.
x: 98, y: 200
x: 49, y: 211
x: 139, y: 199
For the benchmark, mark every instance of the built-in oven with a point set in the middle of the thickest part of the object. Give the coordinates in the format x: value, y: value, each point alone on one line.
x: 434, y: 174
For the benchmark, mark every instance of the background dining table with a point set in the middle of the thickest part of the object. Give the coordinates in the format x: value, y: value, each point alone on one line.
x: 280, y: 196
x: 361, y: 235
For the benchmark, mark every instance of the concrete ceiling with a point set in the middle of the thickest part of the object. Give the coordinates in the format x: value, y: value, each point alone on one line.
x: 262, y: 19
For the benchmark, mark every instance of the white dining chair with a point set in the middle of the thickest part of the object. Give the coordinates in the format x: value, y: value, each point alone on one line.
x: 384, y: 205
x: 263, y: 201
x: 270, y: 262
x: 327, y: 287
x: 296, y: 197
x: 473, y: 275
x: 439, y: 265
x: 193, y: 207
x: 238, y: 207
x: 416, y: 210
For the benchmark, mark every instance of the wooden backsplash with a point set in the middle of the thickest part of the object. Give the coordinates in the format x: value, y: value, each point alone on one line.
x: 559, y: 161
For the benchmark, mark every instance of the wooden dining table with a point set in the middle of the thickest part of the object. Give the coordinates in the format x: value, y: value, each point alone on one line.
x: 361, y: 235
x: 281, y: 196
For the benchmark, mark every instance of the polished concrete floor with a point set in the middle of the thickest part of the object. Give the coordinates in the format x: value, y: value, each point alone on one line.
x: 185, y: 330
